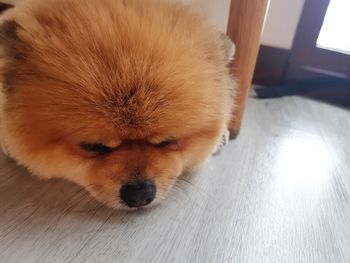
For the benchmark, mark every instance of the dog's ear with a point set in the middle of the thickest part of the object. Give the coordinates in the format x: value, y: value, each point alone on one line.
x: 8, y: 30
x: 228, y: 47
x: 10, y: 46
x: 9, y: 36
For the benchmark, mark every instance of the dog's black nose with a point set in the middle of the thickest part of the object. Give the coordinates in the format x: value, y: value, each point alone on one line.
x: 136, y: 194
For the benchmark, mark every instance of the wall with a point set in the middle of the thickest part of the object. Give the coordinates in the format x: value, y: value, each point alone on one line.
x: 216, y: 11
x: 281, y: 23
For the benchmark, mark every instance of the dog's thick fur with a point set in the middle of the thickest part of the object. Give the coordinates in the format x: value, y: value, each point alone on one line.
x: 128, y: 74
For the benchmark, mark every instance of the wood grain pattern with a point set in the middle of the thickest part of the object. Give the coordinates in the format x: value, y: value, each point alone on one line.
x: 245, y: 25
x: 279, y: 193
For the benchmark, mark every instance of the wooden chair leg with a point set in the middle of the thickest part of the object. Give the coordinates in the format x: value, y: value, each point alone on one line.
x: 246, y: 20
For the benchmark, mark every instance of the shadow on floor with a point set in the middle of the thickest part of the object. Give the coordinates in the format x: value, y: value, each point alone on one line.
x: 338, y: 96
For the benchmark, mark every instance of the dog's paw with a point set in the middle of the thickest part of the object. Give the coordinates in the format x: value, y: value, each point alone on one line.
x: 224, y: 140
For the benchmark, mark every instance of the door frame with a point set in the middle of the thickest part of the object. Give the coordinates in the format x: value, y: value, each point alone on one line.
x: 306, y: 56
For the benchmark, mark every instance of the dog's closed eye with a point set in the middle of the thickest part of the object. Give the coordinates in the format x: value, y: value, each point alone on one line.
x: 96, y: 148
x: 167, y: 144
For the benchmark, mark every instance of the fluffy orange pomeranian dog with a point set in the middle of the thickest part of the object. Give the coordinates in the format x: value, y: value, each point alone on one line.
x: 118, y: 96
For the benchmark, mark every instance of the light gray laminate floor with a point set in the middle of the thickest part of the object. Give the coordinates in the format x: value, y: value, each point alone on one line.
x: 279, y: 193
